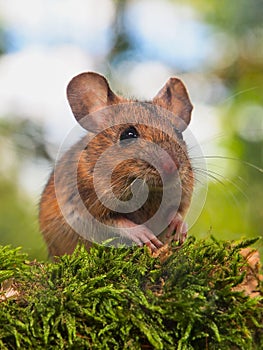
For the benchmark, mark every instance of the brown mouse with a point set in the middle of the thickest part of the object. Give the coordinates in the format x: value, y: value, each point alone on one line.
x: 129, y: 180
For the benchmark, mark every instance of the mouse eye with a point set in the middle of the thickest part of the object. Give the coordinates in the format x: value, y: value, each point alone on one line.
x: 178, y: 134
x: 129, y: 134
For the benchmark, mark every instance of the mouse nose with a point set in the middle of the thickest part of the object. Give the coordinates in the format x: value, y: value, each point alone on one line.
x: 168, y: 166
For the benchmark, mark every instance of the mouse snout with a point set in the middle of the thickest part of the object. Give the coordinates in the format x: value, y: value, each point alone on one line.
x: 168, y: 166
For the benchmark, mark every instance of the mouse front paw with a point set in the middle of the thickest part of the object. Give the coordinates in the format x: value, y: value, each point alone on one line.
x: 139, y: 234
x: 143, y: 236
x: 176, y: 230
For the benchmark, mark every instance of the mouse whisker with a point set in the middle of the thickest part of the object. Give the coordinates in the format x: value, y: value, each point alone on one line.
x: 229, y: 158
x: 216, y: 177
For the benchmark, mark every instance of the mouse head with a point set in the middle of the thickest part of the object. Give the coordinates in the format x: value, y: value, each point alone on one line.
x: 154, y: 157
x: 90, y: 92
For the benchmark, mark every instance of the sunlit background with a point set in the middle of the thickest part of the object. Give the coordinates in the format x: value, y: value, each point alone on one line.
x: 215, y: 47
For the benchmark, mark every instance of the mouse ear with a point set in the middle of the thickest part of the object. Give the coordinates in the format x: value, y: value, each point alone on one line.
x: 88, y: 93
x: 174, y: 97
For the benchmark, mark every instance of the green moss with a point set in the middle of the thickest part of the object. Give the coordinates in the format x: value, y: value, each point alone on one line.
x: 119, y: 298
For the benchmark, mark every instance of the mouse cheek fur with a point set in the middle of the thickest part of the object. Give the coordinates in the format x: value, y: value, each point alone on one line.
x: 177, y: 228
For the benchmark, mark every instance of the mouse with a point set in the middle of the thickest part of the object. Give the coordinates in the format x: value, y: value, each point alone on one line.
x: 129, y: 180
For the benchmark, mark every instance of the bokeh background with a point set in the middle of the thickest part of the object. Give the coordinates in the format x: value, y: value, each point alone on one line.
x: 216, y: 47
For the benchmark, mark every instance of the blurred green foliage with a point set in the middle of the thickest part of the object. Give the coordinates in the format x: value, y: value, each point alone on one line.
x: 18, y: 220
x: 241, y: 116
x: 20, y: 140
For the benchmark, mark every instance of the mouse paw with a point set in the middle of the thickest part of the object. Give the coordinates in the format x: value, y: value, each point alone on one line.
x: 177, y: 230
x: 139, y: 234
x: 143, y: 236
